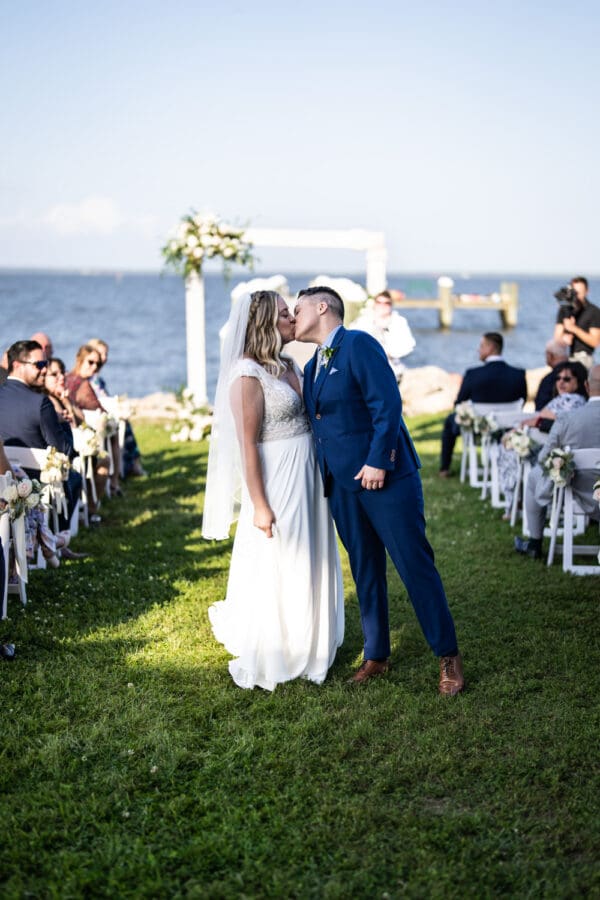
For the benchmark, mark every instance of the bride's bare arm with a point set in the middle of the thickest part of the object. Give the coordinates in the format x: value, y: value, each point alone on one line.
x: 247, y: 403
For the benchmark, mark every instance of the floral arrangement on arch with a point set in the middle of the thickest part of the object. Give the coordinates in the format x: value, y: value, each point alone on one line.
x: 193, y: 423
x: 19, y: 495
x: 559, y: 466
x: 201, y: 237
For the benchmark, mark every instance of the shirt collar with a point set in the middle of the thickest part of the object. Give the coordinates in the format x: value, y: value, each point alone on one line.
x: 329, y: 339
x: 495, y: 357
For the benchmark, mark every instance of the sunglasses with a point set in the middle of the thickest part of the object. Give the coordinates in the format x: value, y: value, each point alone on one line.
x: 565, y: 378
x: 38, y: 363
x: 93, y: 362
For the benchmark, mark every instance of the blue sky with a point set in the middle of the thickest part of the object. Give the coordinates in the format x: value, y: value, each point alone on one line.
x: 467, y: 133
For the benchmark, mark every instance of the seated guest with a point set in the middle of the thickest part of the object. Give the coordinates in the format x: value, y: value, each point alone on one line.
x: 82, y: 394
x: 556, y: 352
x: 3, y: 368
x: 494, y: 382
x: 578, y: 430
x: 131, y: 463
x: 27, y: 416
x: 570, y: 392
x: 45, y: 343
x: 54, y: 386
x: 388, y: 327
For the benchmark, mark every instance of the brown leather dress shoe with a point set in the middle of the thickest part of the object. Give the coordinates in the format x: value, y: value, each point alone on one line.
x: 452, y: 680
x: 369, y: 669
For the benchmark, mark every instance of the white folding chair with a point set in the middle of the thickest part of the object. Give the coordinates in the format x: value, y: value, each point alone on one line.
x: 574, y: 519
x: 33, y: 458
x: 491, y: 474
x: 479, y: 472
x: 12, y: 533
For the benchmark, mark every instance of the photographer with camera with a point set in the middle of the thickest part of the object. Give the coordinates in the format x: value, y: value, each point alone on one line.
x: 578, y: 321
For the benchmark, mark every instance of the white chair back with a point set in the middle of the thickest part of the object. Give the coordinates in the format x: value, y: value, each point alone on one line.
x: 565, y: 501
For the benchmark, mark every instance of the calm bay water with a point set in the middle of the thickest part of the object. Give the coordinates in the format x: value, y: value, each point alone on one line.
x: 142, y: 318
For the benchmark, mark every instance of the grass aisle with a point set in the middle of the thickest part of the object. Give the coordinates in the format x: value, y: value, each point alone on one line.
x: 131, y: 766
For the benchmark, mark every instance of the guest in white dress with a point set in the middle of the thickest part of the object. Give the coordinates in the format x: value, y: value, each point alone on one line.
x: 283, y: 616
x: 388, y: 327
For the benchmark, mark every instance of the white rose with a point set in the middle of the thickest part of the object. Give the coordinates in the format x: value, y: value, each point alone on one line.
x: 11, y: 493
x: 228, y: 252
x: 198, y: 253
x: 24, y: 487
x: 192, y: 240
x: 32, y: 501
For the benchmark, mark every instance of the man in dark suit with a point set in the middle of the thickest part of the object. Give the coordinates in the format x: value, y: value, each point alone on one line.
x: 494, y: 382
x: 27, y: 416
x: 370, y: 473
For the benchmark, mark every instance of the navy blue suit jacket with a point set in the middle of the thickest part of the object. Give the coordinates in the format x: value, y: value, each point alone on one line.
x: 28, y: 419
x: 494, y: 382
x: 356, y: 412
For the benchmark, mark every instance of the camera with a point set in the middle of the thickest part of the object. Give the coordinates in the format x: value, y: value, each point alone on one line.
x: 567, y: 298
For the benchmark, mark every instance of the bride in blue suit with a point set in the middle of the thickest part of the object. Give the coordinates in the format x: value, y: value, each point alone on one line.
x: 370, y: 471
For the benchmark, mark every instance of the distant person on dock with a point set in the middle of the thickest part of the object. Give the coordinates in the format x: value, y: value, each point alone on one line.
x: 494, y: 382
x: 388, y: 327
x: 557, y: 352
x: 578, y: 323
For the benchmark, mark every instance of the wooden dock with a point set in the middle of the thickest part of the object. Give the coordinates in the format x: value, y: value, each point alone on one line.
x: 505, y: 301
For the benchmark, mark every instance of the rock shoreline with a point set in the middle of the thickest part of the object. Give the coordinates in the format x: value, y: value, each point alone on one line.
x: 425, y: 390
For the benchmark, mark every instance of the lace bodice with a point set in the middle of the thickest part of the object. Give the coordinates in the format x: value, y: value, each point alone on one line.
x: 284, y: 410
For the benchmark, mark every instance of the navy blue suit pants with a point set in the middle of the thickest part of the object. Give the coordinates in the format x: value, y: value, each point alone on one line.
x: 392, y: 519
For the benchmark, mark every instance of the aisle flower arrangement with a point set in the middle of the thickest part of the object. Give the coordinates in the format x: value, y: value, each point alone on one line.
x: 466, y: 417
x: 20, y: 495
x: 201, y: 237
x: 596, y: 491
x: 519, y: 440
x: 56, y: 468
x: 193, y: 422
x: 559, y: 466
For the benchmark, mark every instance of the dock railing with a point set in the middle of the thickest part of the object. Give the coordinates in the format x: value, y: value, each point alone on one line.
x: 505, y: 301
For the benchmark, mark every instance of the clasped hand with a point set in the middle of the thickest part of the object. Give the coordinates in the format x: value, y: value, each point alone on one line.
x: 370, y: 478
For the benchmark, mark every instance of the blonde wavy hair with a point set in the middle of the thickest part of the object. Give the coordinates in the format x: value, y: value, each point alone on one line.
x: 263, y: 341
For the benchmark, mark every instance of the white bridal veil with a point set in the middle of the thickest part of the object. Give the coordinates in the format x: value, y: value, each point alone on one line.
x: 224, y: 473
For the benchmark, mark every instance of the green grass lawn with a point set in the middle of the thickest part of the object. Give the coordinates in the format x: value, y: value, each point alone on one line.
x: 131, y: 766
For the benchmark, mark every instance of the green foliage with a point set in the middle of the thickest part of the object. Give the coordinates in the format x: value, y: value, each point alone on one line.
x: 133, y: 767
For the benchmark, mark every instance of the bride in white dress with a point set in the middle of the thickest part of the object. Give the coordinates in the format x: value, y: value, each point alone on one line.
x: 283, y: 616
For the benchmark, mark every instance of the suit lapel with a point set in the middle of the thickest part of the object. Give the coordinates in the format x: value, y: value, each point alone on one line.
x: 322, y: 376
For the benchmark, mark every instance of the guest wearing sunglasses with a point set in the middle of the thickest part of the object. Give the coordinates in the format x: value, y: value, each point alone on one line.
x: 80, y: 391
x: 27, y: 417
x: 570, y: 392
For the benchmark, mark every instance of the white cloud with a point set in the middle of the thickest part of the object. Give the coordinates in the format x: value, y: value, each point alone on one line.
x: 92, y: 215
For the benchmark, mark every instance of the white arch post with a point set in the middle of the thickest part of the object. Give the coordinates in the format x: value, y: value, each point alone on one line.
x: 195, y: 337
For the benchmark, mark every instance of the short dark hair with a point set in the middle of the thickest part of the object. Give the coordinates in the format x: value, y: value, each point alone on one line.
x: 496, y: 339
x: 582, y: 280
x: 19, y: 350
x: 333, y: 299
x: 385, y: 294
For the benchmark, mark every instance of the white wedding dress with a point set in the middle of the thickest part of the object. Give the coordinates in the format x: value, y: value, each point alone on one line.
x: 283, y: 616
